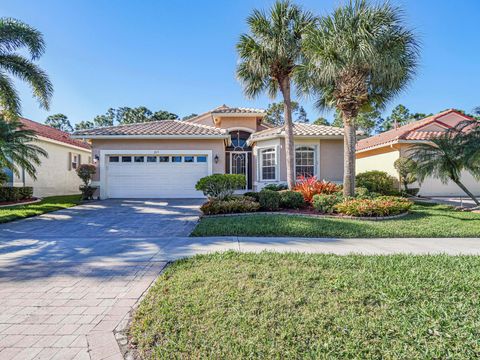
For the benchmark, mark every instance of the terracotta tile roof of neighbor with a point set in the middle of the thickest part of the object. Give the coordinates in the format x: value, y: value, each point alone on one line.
x: 411, y: 131
x: 224, y: 109
x: 52, y: 133
x: 299, y: 130
x: 161, y: 127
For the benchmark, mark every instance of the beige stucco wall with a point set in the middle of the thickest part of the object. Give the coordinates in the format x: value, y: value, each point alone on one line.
x: 379, y: 159
x: 230, y: 122
x: 216, y: 145
x: 331, y: 160
x: 54, y: 177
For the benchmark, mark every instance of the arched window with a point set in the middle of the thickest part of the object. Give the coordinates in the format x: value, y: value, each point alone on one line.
x: 305, y: 161
x: 239, y: 139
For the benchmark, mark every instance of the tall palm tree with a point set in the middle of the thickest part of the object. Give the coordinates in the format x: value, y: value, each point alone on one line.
x: 17, y: 150
x: 444, y: 158
x: 269, y: 57
x: 16, y: 36
x: 357, y: 59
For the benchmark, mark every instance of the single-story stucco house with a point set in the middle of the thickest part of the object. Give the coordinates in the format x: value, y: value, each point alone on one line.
x: 56, y: 174
x: 379, y: 152
x: 165, y: 159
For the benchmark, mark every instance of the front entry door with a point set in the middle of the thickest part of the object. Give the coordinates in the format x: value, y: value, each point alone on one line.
x: 239, y: 164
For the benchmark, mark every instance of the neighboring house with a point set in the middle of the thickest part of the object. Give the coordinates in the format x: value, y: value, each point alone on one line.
x: 379, y: 152
x: 166, y: 158
x: 56, y: 174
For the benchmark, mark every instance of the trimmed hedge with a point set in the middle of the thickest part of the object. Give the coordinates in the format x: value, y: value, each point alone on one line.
x: 276, y: 187
x: 269, y: 200
x: 11, y: 194
x: 325, y: 203
x: 220, y: 186
x: 253, y: 194
x: 230, y: 206
x: 381, y: 206
x: 377, y: 181
x: 291, y: 200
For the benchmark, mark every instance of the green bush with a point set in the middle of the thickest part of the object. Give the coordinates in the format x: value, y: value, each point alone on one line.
x: 231, y: 206
x: 276, y: 187
x: 381, y: 206
x: 325, y: 203
x: 10, y: 194
x: 220, y: 186
x: 377, y: 181
x: 253, y: 194
x: 269, y: 200
x: 3, y: 177
x: 291, y: 200
x: 362, y: 193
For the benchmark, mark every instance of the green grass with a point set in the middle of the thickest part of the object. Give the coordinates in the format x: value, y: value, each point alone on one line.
x: 295, y: 306
x: 47, y: 204
x: 425, y: 220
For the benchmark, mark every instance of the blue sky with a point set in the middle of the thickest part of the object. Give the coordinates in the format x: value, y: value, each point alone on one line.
x: 180, y: 55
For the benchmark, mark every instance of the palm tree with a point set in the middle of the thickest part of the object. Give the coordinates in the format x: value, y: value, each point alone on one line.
x: 357, y: 59
x: 269, y: 58
x: 14, y: 36
x: 444, y: 158
x: 17, y: 150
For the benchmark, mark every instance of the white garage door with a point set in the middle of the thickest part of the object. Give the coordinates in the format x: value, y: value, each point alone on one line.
x: 155, y: 176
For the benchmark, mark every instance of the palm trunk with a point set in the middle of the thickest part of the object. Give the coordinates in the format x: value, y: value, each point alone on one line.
x: 349, y: 156
x: 289, y: 142
x: 466, y: 191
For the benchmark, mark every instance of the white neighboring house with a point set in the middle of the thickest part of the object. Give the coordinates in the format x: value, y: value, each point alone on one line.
x: 56, y: 174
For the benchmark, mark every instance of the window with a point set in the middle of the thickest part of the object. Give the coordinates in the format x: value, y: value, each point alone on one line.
x: 114, y: 159
x: 139, y: 159
x: 305, y: 161
x: 176, y: 159
x: 164, y: 158
x: 126, y: 159
x: 201, y: 159
x: 268, y: 164
x: 74, y: 161
x: 188, y: 159
x: 151, y: 159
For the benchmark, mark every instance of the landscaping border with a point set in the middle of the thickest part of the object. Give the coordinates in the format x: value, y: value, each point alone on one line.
x: 22, y: 203
x: 346, y: 217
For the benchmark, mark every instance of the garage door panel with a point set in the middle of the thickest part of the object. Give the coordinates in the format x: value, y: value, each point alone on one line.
x: 155, y: 180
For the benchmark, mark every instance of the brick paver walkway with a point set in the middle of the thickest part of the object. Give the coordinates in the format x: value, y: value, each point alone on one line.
x: 46, y: 313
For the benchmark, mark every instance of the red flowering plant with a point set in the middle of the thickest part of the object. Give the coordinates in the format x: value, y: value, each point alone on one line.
x: 310, y: 186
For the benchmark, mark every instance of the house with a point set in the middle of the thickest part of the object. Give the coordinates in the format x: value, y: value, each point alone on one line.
x: 166, y: 158
x: 56, y: 174
x: 379, y: 152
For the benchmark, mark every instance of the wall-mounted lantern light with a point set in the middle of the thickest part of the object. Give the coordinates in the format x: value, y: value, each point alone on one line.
x: 215, y: 159
x: 97, y: 159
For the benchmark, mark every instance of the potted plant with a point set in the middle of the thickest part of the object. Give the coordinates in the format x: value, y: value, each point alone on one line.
x: 86, y: 172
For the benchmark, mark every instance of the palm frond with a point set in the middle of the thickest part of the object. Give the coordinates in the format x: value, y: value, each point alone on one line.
x: 9, y: 100
x: 15, y: 34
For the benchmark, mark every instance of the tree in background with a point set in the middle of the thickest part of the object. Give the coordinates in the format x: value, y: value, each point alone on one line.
x: 18, y: 36
x: 321, y: 121
x: 191, y: 116
x: 356, y: 60
x: 302, y: 116
x: 269, y: 58
x: 400, y: 116
x: 365, y: 121
x: 18, y: 149
x: 276, y: 111
x: 164, y: 115
x: 84, y: 125
x: 406, y: 168
x: 60, y: 122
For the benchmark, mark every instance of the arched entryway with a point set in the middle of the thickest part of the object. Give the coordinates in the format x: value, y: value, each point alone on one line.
x: 239, y: 155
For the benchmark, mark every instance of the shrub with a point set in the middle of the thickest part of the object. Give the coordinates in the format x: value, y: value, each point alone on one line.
x: 269, y: 200
x: 220, y: 186
x: 291, y: 200
x: 276, y: 187
x: 406, y: 168
x: 325, y: 203
x: 381, y: 206
x: 377, y: 181
x: 362, y: 193
x: 12, y: 194
x: 86, y: 172
x: 253, y: 194
x: 309, y: 186
x: 234, y: 205
x: 3, y: 177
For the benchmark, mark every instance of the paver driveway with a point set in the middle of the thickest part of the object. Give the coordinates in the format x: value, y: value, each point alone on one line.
x: 68, y: 278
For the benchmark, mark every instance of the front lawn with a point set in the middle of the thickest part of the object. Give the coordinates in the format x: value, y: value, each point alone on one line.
x: 47, y: 204
x: 295, y: 306
x: 425, y: 220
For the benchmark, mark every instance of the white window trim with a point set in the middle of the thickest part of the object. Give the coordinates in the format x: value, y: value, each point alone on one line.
x: 105, y: 153
x: 260, y: 163
x: 316, y: 160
